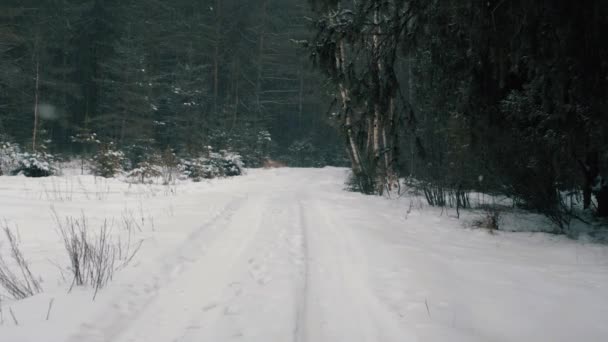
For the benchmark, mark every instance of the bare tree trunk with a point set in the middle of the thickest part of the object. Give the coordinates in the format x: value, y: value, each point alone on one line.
x: 377, y: 118
x: 353, y: 150
x: 260, y: 71
x: 123, y: 121
x: 347, y: 122
x: 380, y: 174
x: 590, y: 169
x: 389, y: 146
x: 410, y: 99
x: 36, y: 97
x: 301, y: 99
x: 216, y: 55
x: 236, y: 95
x: 370, y: 136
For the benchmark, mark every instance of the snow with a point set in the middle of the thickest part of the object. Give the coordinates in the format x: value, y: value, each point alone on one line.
x: 288, y: 255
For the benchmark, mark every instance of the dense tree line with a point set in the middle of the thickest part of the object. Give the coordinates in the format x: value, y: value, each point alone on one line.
x: 163, y: 74
x: 499, y: 96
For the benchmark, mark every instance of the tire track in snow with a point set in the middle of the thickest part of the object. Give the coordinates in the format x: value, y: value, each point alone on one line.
x: 138, y: 297
x: 341, y: 305
x: 183, y: 303
x: 302, y: 295
x: 269, y: 277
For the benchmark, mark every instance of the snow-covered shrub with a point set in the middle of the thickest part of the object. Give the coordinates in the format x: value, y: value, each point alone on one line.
x: 108, y: 161
x: 198, y: 169
x: 222, y: 164
x: 9, y: 156
x: 15, y: 162
x: 37, y: 164
x: 147, y: 169
x: 231, y: 164
x: 255, y: 146
x: 190, y: 168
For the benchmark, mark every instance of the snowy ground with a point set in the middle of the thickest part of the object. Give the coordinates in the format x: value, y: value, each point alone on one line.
x: 287, y: 255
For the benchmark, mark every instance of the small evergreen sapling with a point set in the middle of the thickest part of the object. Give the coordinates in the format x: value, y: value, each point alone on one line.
x: 169, y: 165
x: 147, y: 169
x: 36, y: 165
x: 86, y: 139
x: 108, y: 161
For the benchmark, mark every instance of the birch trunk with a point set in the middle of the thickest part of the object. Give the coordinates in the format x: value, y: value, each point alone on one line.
x: 347, y: 116
x: 347, y: 121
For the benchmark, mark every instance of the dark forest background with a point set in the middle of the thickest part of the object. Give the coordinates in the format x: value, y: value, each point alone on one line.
x: 180, y: 74
x: 507, y: 97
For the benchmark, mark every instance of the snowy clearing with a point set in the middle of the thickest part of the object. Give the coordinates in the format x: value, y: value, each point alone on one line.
x: 288, y: 255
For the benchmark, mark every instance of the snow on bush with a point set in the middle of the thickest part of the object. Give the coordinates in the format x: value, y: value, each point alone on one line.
x: 232, y: 163
x: 222, y: 164
x: 163, y: 165
x: 14, y: 162
x: 147, y: 169
x: 37, y: 164
x: 198, y: 169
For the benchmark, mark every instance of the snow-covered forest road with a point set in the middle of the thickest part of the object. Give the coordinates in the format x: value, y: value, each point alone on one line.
x: 287, y: 255
x: 277, y: 263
